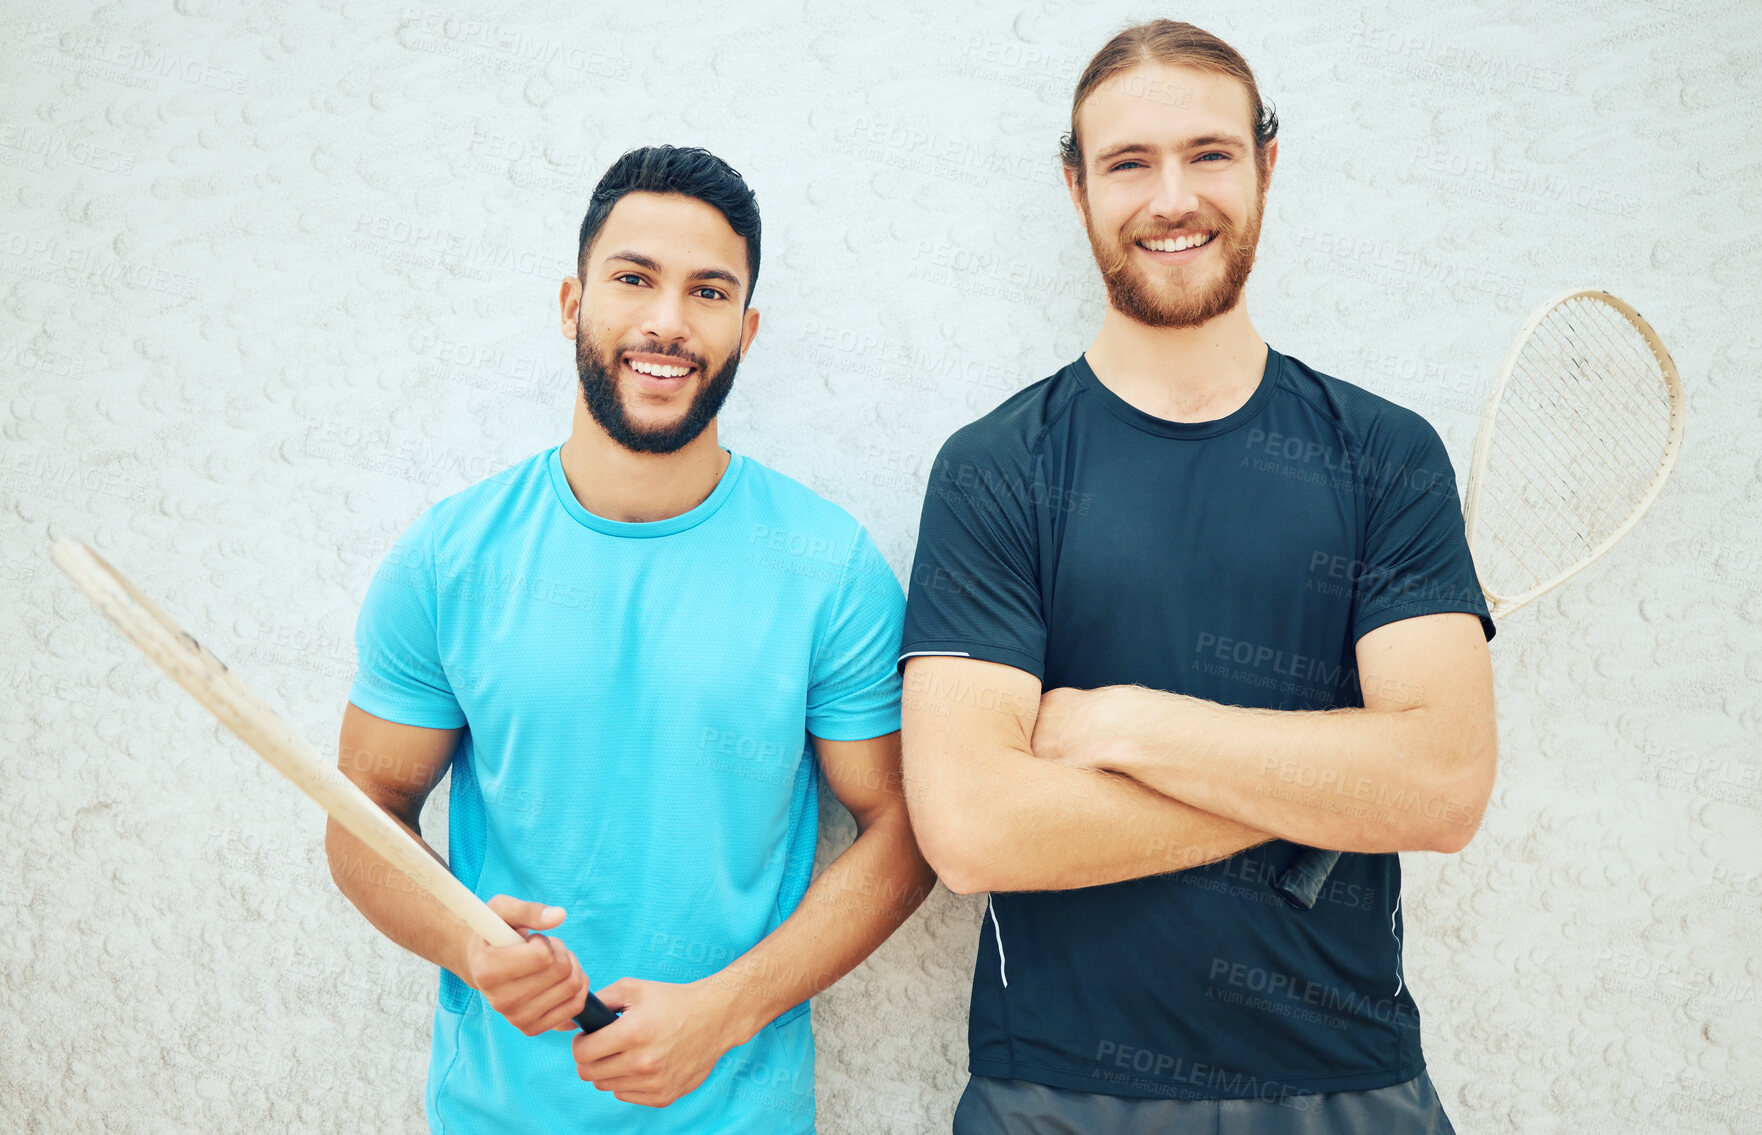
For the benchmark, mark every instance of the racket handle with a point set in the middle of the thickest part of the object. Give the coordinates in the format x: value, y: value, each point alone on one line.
x: 1302, y: 882
x: 594, y: 1015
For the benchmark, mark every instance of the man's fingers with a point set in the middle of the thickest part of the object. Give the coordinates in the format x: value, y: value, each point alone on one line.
x: 597, y: 1058
x: 563, y: 1017
x: 593, y: 1049
x: 553, y: 1006
x: 527, y: 993
x: 538, y: 1014
x: 621, y: 994
x: 523, y: 915
x: 642, y: 1096
x: 618, y: 1066
x: 505, y: 963
x: 519, y: 992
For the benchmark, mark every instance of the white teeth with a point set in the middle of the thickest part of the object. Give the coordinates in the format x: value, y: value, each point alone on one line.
x: 660, y: 371
x: 1179, y: 244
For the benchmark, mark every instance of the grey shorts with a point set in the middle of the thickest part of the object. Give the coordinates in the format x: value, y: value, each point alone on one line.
x: 1017, y: 1107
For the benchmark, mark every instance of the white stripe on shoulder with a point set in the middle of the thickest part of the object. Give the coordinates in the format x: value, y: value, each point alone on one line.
x: 931, y: 653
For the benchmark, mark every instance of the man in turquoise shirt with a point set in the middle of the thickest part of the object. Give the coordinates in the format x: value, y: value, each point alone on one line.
x: 634, y: 651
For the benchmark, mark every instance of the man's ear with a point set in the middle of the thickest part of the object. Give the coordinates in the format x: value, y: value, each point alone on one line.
x: 1272, y: 159
x: 569, y: 300
x: 1074, y: 189
x: 749, y: 328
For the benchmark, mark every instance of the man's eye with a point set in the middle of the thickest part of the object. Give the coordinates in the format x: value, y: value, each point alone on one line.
x: 709, y: 294
x: 1125, y: 164
x: 1214, y: 154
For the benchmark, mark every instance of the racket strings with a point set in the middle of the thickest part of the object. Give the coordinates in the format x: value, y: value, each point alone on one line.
x: 1582, y: 432
x: 1580, y: 506
x: 1609, y: 445
x: 1635, y: 378
x: 1593, y: 497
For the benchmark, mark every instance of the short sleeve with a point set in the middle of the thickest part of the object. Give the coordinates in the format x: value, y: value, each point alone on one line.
x: 398, y: 670
x: 974, y: 584
x: 1416, y: 556
x: 853, y: 690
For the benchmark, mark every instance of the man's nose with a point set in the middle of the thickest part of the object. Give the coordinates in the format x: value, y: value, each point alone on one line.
x: 664, y: 319
x: 1174, y: 196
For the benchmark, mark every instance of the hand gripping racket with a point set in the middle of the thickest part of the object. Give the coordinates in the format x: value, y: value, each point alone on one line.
x: 227, y: 697
x: 1579, y: 435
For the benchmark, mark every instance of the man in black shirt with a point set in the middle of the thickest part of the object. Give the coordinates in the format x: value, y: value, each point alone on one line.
x: 1178, y: 611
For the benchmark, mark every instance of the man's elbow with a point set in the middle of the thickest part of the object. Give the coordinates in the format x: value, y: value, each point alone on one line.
x: 1454, y: 815
x: 963, y: 878
x: 948, y: 840
x: 958, y: 864
x: 1451, y: 836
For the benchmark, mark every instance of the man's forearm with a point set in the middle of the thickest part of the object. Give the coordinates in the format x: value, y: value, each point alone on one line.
x: 856, y: 902
x: 392, y: 901
x: 1349, y: 779
x: 992, y: 816
x: 1034, y: 825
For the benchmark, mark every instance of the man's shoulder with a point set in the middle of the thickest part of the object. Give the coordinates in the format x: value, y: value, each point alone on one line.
x: 495, y: 489
x: 1365, y: 416
x: 1010, y: 432
x: 474, y: 513
x: 780, y: 507
x: 782, y: 517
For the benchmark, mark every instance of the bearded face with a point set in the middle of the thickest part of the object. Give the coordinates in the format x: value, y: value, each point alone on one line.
x: 1181, y: 274
x: 611, y: 386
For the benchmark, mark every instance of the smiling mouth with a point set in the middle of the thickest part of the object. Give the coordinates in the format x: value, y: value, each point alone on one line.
x: 656, y: 374
x: 1181, y: 242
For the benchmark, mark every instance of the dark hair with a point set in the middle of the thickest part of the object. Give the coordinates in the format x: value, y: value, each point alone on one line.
x: 686, y: 170
x: 1178, y: 45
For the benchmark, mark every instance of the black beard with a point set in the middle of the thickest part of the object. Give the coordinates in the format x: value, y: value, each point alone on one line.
x: 599, y: 389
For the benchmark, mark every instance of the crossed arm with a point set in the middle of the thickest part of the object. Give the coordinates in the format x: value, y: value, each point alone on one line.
x: 1014, y: 789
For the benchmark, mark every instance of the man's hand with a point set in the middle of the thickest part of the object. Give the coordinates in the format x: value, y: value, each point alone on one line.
x: 537, y: 985
x: 1085, y: 728
x: 665, y: 1044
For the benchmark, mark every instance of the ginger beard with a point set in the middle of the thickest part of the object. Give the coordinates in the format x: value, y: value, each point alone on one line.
x: 1178, y: 298
x: 600, y: 372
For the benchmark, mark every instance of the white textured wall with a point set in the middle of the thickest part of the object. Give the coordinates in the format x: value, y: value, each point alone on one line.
x: 273, y: 278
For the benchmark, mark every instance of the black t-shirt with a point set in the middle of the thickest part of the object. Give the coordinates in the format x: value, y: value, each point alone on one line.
x: 1069, y: 534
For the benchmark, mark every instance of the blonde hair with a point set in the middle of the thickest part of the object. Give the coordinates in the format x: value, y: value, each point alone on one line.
x: 1177, y: 45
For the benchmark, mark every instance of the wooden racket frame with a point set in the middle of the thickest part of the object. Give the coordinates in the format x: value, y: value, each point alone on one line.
x: 191, y: 665
x: 1301, y: 883
x: 1501, y: 605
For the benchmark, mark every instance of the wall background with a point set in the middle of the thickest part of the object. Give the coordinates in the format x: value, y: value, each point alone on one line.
x: 271, y: 281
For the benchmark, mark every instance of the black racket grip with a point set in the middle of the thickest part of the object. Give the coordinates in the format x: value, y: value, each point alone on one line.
x: 594, y: 1015
x: 1302, y: 882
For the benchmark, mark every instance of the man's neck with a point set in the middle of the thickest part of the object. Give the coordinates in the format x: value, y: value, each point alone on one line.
x: 1181, y: 374
x: 617, y: 484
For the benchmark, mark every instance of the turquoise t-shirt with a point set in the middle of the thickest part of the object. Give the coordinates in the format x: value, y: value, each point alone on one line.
x: 637, y: 698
